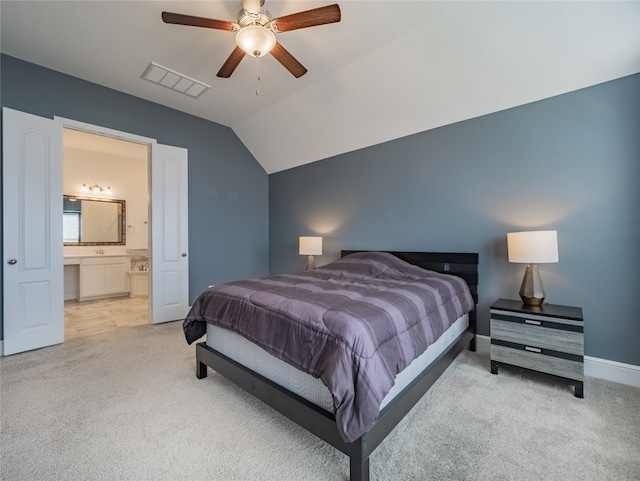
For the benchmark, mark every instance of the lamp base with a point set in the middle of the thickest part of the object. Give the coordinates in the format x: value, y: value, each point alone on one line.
x: 531, y: 290
x: 311, y: 263
x: 532, y: 301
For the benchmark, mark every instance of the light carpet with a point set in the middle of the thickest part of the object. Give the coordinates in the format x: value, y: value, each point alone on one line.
x: 126, y: 405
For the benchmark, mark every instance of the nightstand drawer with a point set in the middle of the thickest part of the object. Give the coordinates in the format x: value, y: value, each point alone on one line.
x: 538, y: 320
x: 538, y: 362
x: 535, y: 335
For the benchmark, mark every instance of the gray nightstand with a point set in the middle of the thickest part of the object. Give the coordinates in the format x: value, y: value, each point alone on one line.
x: 547, y: 339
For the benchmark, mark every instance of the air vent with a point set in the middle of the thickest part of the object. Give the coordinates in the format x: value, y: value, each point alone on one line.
x: 174, y: 80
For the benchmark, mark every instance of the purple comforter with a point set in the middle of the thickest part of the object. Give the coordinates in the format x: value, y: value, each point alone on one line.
x: 354, y: 323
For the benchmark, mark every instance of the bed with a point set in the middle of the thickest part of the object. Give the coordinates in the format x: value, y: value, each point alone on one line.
x: 357, y: 418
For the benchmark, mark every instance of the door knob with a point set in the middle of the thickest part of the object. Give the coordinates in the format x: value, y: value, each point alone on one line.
x: 12, y: 262
x: 184, y: 254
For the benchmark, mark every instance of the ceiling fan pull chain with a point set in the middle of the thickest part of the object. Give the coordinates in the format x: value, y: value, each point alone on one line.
x: 258, y: 76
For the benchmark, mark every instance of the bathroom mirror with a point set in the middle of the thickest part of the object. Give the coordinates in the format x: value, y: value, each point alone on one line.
x: 89, y: 221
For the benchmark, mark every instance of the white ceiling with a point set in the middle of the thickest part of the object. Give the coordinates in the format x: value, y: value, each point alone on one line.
x: 387, y: 70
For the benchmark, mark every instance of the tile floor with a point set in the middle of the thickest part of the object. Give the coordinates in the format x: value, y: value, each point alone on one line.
x: 95, y: 317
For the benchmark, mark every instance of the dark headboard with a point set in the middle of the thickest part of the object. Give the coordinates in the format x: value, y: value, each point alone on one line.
x: 464, y: 265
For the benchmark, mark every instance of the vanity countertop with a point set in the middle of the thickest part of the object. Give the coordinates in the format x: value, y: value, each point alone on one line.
x: 75, y: 259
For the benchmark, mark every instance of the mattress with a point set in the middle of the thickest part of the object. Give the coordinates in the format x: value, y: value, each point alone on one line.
x: 312, y: 389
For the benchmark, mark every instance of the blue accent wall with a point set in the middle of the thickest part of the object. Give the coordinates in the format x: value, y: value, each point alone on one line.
x: 570, y: 163
x: 228, y: 189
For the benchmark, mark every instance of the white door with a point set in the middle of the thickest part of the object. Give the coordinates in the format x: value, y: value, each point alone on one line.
x: 169, y: 234
x: 33, y: 287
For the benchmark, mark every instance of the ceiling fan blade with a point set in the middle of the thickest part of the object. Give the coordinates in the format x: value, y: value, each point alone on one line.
x: 309, y: 18
x: 231, y: 63
x: 190, y: 20
x: 288, y: 61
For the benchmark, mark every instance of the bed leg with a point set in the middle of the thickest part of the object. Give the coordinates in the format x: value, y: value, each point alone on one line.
x: 201, y: 370
x: 359, y: 471
x: 472, y: 344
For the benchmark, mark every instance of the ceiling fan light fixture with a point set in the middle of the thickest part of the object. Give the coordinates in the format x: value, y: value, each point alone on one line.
x: 256, y: 40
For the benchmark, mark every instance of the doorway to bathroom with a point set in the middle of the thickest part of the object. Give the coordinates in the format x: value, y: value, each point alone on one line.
x: 33, y: 280
x: 105, y: 232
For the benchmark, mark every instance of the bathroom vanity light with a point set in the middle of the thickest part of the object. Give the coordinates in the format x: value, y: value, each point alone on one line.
x: 95, y: 189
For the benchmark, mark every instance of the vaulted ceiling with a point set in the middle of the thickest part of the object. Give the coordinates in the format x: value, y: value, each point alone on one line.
x: 388, y: 69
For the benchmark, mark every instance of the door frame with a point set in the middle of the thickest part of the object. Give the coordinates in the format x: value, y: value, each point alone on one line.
x: 158, y: 312
x: 128, y: 137
x: 96, y: 129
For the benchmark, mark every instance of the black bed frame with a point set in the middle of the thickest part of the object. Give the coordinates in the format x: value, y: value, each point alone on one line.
x: 322, y: 423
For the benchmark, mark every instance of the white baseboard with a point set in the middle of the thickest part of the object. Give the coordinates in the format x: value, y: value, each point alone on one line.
x: 1, y: 348
x: 483, y: 344
x: 593, y: 366
x: 612, y: 371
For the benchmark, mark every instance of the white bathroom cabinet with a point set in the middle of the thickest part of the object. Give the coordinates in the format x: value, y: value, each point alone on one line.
x: 102, y: 277
x: 138, y: 283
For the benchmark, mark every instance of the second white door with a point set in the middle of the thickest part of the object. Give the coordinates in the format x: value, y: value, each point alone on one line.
x: 169, y: 234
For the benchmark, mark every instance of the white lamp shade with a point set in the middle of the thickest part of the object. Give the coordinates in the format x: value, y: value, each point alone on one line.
x: 256, y: 40
x: 310, y: 246
x: 534, y: 247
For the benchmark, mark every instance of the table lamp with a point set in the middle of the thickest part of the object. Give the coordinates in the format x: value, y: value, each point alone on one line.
x: 310, y: 246
x: 533, y: 247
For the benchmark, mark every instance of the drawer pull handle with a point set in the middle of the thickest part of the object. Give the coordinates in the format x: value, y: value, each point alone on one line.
x: 532, y: 322
x: 533, y: 349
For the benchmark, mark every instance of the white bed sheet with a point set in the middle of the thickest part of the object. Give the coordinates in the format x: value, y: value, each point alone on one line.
x: 251, y: 355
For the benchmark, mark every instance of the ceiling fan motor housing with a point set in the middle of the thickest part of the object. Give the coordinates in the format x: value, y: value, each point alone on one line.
x: 263, y: 18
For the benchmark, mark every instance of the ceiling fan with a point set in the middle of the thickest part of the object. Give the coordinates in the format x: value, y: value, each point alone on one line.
x: 256, y: 31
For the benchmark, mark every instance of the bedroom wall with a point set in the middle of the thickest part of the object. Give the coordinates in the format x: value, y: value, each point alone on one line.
x: 228, y: 189
x: 570, y: 163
